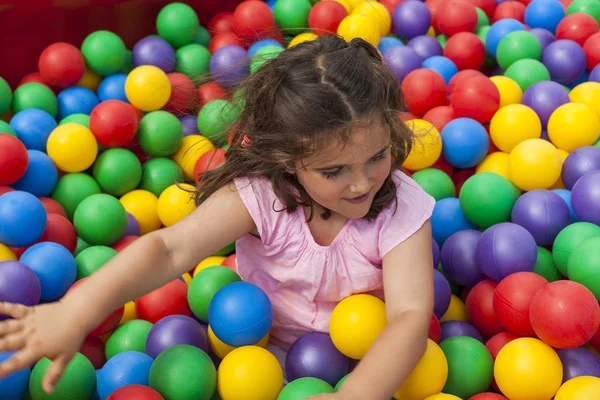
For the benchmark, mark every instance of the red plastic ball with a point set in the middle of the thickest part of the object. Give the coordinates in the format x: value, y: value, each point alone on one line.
x: 114, y: 123
x: 476, y: 97
x: 487, y: 6
x: 210, y: 91
x: 577, y: 27
x: 434, y: 9
x: 325, y: 17
x: 109, y: 323
x: 443, y: 165
x: 595, y: 340
x: 6, y: 189
x: 466, y: 50
x: 221, y: 23
x: 423, y: 90
x: 135, y: 148
x: 509, y: 9
x: 566, y: 3
x: 480, y: 309
x: 35, y: 77
x: 123, y: 242
x: 512, y: 299
x: 526, y: 2
x: 170, y: 299
x: 456, y: 16
x: 13, y: 159
x: 439, y: 116
x: 592, y: 50
x: 460, y: 176
x: 253, y: 20
x: 224, y: 39
x: 390, y: 5
x: 184, y: 95
x: 94, y: 350
x: 435, y: 329
x: 53, y: 207
x: 135, y: 392
x: 59, y: 230
x: 564, y: 314
x: 488, y: 396
x: 230, y: 262
x: 460, y: 77
x: 61, y: 65
x: 208, y: 161
x: 498, y: 341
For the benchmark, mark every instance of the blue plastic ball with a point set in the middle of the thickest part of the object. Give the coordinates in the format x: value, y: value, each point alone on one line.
x: 566, y: 196
x: 448, y: 218
x: 33, y: 126
x: 13, y: 386
x: 442, y: 65
x: 262, y: 43
x: 271, y: 3
x: 127, y: 368
x: 76, y: 100
x: 545, y: 14
x: 113, y: 88
x: 388, y: 42
x: 497, y: 32
x: 41, y: 175
x: 240, y: 314
x: 54, y: 266
x: 465, y: 142
x: 22, y: 219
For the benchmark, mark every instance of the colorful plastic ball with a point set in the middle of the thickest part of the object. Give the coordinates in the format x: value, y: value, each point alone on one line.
x: 448, y: 218
x: 253, y: 20
x: 153, y: 50
x: 480, y: 308
x: 589, y: 7
x: 592, y: 51
x: 184, y: 94
x: 496, y: 162
x: 545, y: 14
x: 498, y: 31
x: 208, y: 161
x: 160, y: 133
x: 573, y: 125
x: 129, y: 336
x: 565, y: 61
x: 442, y: 396
x: 229, y: 65
x: 201, y: 290
x: 466, y: 51
x: 442, y: 294
x: 14, y: 386
x: 6, y: 96
x: 526, y: 72
x: 189, y: 123
x: 100, y: 219
x: 424, y: 89
x: 216, y: 119
x: 516, y: 46
x: 175, y: 203
x: 545, y: 97
x: 114, y: 123
x: 112, y: 88
x: 534, y: 164
x: 527, y: 368
x: 442, y: 65
x: 175, y: 330
x: 359, y: 26
x: 429, y: 375
x: 510, y: 91
x: 579, y: 388
x: 498, y: 341
x: 72, y: 188
x: 135, y: 392
x: 33, y: 126
x: 509, y: 9
x: 148, y: 88
x: 18, y: 284
x: 77, y: 381
x: 60, y: 230
x: 178, y: 24
x: 487, y: 199
x: 143, y: 205
x: 76, y: 100
x: 72, y: 147
x: 61, y: 65
x: 401, y: 60
x: 568, y: 239
x: 22, y: 219
x: 292, y: 15
x: 459, y: 328
x: 127, y: 368
x: 104, y: 52
x: 410, y: 20
x: 435, y: 182
x: 587, y: 93
x: 325, y: 17
x: 544, y: 36
x: 583, y: 264
x: 477, y: 98
x: 579, y: 362
x: 158, y: 174
x: 169, y: 299
x: 34, y: 95
x: 117, y: 171
x: 191, y: 149
x: 585, y: 199
x: 458, y: 258
x: 424, y: 45
x: 377, y: 13
x: 302, y: 388
x: 577, y: 27
x: 14, y: 161
x: 454, y: 136
x: 427, y: 147
x: 456, y: 16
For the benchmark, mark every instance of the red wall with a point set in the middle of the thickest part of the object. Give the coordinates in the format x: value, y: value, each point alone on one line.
x: 28, y: 26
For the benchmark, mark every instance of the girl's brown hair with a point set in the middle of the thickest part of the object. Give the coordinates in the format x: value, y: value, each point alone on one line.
x: 299, y: 102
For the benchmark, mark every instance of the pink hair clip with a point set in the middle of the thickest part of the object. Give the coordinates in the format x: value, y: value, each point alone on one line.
x: 246, y: 142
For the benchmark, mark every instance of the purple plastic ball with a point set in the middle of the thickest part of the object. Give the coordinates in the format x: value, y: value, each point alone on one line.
x: 173, y: 330
x: 425, y: 46
x: 578, y: 362
x: 133, y: 226
x: 545, y: 37
x: 504, y: 249
x: 543, y: 213
x: 458, y: 258
x: 565, y: 60
x: 578, y: 163
x: 595, y: 74
x: 18, y: 284
x: 545, y: 97
x: 436, y: 253
x: 585, y: 198
x: 315, y: 355
x: 189, y: 124
x: 229, y: 65
x: 459, y: 328
x: 156, y: 51
x: 442, y: 294
x: 402, y: 60
x: 410, y: 19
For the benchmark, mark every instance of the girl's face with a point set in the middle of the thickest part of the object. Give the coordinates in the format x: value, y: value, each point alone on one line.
x: 345, y: 179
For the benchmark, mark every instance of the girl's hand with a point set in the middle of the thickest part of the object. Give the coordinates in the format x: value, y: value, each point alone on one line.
x: 48, y: 330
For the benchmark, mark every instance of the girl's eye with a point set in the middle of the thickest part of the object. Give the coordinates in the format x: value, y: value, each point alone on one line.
x: 379, y: 157
x: 331, y: 174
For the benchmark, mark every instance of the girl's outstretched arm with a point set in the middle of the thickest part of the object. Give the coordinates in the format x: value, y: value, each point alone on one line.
x: 57, y: 330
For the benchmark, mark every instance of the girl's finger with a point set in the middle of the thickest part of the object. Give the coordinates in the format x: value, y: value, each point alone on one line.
x: 15, y: 310
x: 17, y: 362
x: 13, y: 341
x: 10, y: 326
x: 54, y: 373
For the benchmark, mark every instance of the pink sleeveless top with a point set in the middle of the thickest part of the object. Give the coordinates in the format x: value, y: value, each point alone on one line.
x: 305, y: 280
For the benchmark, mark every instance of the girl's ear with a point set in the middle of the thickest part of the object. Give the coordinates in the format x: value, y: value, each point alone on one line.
x: 290, y: 171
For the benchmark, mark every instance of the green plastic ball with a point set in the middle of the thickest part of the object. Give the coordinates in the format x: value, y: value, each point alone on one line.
x: 435, y: 182
x: 5, y: 96
x: 160, y: 173
x: 442, y: 40
x: 175, y: 368
x: 597, y: 144
x: 35, y: 95
x: 302, y: 388
x: 118, y: 171
x: 215, y: 119
x: 544, y: 265
x: 193, y: 60
x: 263, y: 55
x: 77, y: 382
x: 292, y: 15
x: 104, y: 52
x: 227, y: 250
x: 470, y: 366
x: 71, y: 189
x: 455, y: 288
x: 589, y: 7
x: 81, y: 119
x: 6, y: 128
x: 202, y: 37
x: 517, y: 46
x: 81, y: 246
x: 91, y: 259
x: 160, y: 133
x: 100, y: 219
x: 128, y: 63
x: 487, y: 199
x: 482, y: 18
x: 204, y: 286
x: 178, y: 24
x: 341, y: 382
x: 584, y: 265
x: 526, y: 72
x: 131, y: 336
x: 481, y: 33
x: 569, y: 238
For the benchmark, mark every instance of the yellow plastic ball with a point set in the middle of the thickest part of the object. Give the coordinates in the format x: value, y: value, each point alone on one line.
x: 90, y: 80
x: 72, y: 147
x: 148, y: 88
x: 355, y: 323
x: 142, y: 204
x: 129, y: 313
x: 358, y: 26
x: 587, y: 93
x: 427, y: 147
x: 573, y: 125
x: 345, y: 3
x: 6, y: 254
x: 221, y: 349
x: 191, y: 149
x: 457, y: 311
x: 431, y: 32
x: 355, y: 3
x: 249, y: 373
x: 209, y: 262
x: 303, y: 37
x: 187, y: 278
x: 559, y: 183
x: 527, y: 368
x: 580, y: 388
x: 510, y: 91
x: 496, y: 162
x: 175, y: 203
x: 513, y: 124
x: 443, y: 396
x: 428, y: 377
x: 534, y: 164
x: 377, y: 13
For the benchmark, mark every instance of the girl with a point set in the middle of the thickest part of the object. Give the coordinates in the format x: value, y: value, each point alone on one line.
x: 314, y: 197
